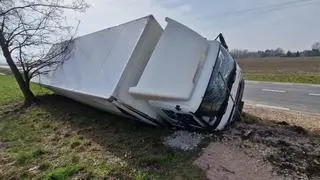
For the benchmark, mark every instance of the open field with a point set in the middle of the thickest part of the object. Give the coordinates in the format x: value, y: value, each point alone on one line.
x: 4, y: 70
x: 295, y: 70
x: 301, y: 65
x: 283, y: 77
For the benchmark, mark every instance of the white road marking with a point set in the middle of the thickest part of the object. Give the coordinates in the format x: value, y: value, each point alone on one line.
x: 272, y: 107
x: 280, y: 83
x: 273, y: 90
x: 314, y: 94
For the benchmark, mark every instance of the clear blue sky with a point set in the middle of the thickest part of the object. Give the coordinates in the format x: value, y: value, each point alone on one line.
x: 246, y: 24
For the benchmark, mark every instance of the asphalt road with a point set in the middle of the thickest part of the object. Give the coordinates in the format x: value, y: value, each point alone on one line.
x: 286, y: 96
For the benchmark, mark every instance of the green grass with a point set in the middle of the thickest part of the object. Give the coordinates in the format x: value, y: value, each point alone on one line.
x: 62, y: 173
x: 23, y: 156
x: 61, y: 139
x: 75, y: 143
x: 10, y: 92
x: 284, y: 77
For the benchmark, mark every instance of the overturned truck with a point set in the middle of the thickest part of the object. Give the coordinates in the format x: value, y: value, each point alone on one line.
x: 161, y: 77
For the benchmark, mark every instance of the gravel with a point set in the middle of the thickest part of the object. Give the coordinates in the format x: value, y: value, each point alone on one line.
x: 309, y: 121
x: 183, y: 140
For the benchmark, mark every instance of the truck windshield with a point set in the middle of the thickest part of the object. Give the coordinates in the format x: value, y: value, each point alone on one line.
x: 217, y: 92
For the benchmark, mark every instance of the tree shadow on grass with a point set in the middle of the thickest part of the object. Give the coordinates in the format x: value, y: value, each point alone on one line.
x: 140, y: 145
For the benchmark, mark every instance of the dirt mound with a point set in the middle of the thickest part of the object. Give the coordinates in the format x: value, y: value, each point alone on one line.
x: 226, y: 161
x: 290, y: 151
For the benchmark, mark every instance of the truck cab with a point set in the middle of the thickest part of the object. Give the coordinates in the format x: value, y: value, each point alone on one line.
x: 190, y: 81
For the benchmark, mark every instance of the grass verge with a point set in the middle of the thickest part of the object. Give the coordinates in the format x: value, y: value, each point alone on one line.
x: 5, y: 71
x: 61, y: 139
x: 283, y: 77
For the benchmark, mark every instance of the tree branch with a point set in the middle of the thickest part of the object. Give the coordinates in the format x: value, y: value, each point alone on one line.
x: 28, y: 28
x: 71, y: 7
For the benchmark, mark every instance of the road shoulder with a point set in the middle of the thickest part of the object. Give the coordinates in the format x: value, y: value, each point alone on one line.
x: 268, y: 144
x: 309, y: 121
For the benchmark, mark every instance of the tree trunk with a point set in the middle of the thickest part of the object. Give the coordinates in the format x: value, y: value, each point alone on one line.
x: 29, y: 97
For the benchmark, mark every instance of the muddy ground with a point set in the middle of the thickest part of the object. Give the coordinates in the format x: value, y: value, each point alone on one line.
x: 262, y: 150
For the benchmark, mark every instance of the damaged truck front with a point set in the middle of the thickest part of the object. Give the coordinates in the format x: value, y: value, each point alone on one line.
x: 162, y: 77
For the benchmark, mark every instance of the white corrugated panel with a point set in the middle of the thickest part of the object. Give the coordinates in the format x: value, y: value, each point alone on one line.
x: 99, y: 59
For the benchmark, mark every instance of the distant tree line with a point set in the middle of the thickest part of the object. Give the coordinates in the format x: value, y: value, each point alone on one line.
x: 279, y: 52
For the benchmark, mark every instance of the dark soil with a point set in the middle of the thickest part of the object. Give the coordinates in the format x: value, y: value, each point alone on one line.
x: 292, y: 151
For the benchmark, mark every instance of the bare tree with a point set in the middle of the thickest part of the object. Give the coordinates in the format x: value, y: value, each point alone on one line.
x: 316, y: 46
x: 35, y: 37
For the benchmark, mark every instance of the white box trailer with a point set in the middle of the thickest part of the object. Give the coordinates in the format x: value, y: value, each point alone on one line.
x: 172, y: 76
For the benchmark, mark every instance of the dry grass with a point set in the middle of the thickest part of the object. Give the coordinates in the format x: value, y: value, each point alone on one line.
x: 301, y: 65
x: 293, y: 70
x: 309, y: 121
